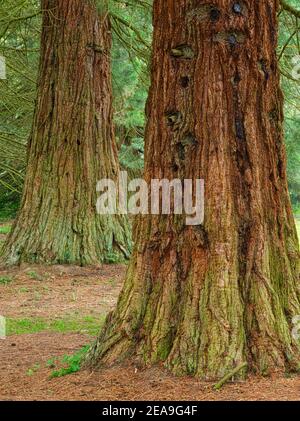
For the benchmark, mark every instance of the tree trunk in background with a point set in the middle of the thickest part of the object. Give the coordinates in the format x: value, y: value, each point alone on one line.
x: 72, y: 145
x: 205, y: 299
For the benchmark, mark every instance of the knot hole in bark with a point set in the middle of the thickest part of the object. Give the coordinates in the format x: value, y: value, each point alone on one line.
x: 231, y: 38
x: 263, y: 68
x: 200, y: 236
x: 182, y: 51
x: 205, y: 12
x: 214, y: 14
x: 186, y: 143
x: 239, y: 8
x: 184, y: 81
x: 96, y: 48
x: 188, y: 140
x: 240, y: 128
x: 274, y: 116
x: 174, y: 119
x: 236, y: 79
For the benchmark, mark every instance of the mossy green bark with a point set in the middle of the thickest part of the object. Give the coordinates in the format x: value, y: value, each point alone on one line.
x: 203, y: 300
x: 72, y: 146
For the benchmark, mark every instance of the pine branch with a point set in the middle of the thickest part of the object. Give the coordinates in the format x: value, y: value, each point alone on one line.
x: 229, y: 376
x: 20, y: 18
x: 290, y: 8
x: 131, y: 28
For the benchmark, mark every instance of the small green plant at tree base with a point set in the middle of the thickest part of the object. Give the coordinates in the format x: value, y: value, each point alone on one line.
x: 32, y: 370
x: 72, y: 363
x: 5, y: 280
x: 51, y: 363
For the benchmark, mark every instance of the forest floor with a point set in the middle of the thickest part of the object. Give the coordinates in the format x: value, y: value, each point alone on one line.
x: 53, y: 312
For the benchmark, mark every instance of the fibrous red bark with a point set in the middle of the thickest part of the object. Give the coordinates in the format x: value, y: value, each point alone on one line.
x: 205, y: 299
x: 72, y: 145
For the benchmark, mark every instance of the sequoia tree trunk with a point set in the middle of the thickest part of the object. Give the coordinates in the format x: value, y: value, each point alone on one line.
x: 72, y: 145
x: 205, y: 299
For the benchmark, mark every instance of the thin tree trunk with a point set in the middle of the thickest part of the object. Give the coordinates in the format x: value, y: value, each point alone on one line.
x: 72, y: 145
x: 208, y: 298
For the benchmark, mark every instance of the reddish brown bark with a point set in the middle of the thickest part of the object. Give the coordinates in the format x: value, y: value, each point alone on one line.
x: 72, y: 144
x: 205, y: 299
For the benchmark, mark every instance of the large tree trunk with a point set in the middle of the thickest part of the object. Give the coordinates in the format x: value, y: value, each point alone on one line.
x: 72, y: 145
x: 205, y: 299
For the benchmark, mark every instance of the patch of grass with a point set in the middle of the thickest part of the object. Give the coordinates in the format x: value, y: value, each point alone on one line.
x: 5, y: 280
x: 34, y: 275
x: 21, y: 326
x: 51, y: 363
x: 72, y: 363
x: 32, y: 370
x: 112, y: 282
x: 87, y: 324
x: 5, y: 229
x: 23, y: 290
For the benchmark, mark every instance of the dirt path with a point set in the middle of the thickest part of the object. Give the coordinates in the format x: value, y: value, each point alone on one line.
x: 43, y: 293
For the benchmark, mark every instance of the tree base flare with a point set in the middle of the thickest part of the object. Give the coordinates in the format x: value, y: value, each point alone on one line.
x: 182, y: 315
x: 100, y: 239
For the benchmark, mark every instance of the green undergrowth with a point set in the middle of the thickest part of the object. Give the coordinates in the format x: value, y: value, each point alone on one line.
x: 71, y: 363
x: 5, y: 280
x: 9, y: 205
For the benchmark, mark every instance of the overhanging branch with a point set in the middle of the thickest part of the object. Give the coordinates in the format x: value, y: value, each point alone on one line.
x: 290, y: 8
